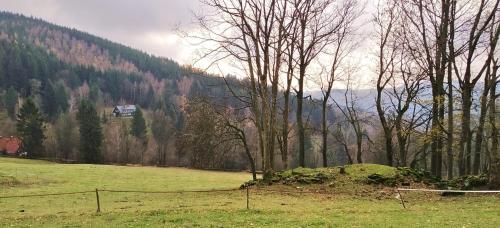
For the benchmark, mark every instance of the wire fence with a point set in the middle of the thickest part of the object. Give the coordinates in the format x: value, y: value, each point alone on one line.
x: 98, y: 196
x: 247, y: 189
x: 47, y: 194
x: 400, y: 196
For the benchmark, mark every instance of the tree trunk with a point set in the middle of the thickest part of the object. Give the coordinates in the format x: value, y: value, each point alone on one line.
x: 479, y: 135
x: 300, y: 123
x: 385, y: 126
x: 449, y: 143
x: 324, y: 127
x: 349, y: 158
x: 441, y: 136
x: 402, y: 148
x: 434, y: 133
x: 465, y: 140
x: 359, y: 142
x: 251, y: 161
x: 284, y: 143
x: 495, y: 155
x: 437, y: 133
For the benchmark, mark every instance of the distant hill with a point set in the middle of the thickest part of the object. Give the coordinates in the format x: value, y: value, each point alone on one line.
x: 35, y: 54
x: 364, y: 98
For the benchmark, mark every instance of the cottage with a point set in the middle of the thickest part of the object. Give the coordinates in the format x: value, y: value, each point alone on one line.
x: 124, y: 110
x: 10, y: 145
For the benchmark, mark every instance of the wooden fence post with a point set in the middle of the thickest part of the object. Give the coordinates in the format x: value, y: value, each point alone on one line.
x: 401, y: 198
x: 248, y: 193
x: 97, y: 198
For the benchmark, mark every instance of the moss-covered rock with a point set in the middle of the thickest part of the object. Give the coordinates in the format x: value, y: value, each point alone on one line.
x: 468, y: 182
x: 417, y: 174
x: 376, y: 178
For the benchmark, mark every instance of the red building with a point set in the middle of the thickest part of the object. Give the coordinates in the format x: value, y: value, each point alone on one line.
x: 10, y: 145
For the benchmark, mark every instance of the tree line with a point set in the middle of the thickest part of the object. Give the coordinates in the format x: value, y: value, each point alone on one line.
x: 430, y: 59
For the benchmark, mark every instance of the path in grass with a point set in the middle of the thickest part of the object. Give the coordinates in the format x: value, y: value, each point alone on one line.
x: 210, y: 209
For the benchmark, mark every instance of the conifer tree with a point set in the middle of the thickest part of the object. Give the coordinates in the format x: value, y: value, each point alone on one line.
x: 31, y: 126
x: 90, y: 132
x: 139, y: 130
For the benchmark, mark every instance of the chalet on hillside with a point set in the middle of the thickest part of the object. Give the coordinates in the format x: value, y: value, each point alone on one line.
x: 124, y: 110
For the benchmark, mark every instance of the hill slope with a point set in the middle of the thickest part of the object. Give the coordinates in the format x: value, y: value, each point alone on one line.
x: 35, y: 53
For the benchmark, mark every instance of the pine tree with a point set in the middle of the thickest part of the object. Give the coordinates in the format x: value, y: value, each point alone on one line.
x: 10, y: 101
x: 31, y: 126
x: 139, y: 130
x: 90, y: 132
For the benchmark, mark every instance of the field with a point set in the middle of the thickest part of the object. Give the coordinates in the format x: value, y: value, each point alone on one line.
x: 349, y: 205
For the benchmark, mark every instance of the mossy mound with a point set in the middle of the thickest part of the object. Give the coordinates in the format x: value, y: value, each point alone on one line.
x: 364, y: 179
x: 350, y: 175
x: 343, y: 175
x: 304, y: 176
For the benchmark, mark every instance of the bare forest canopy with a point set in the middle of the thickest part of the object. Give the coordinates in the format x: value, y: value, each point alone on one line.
x: 435, y: 89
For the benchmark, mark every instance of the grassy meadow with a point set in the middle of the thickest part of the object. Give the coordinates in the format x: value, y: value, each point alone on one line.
x: 351, y: 204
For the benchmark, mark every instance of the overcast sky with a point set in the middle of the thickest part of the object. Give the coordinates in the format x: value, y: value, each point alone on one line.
x: 148, y: 25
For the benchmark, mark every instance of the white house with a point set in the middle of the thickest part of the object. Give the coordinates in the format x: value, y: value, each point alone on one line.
x: 124, y: 110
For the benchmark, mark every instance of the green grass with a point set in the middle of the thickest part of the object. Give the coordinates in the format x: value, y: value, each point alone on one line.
x: 366, y: 206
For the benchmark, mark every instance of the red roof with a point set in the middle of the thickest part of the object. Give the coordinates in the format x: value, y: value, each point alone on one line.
x: 10, y: 145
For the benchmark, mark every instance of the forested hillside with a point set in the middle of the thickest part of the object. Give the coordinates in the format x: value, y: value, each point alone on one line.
x: 35, y: 54
x: 58, y: 67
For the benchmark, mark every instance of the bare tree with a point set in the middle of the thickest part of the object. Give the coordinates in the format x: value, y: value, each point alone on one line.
x: 451, y: 57
x: 495, y: 161
x: 285, y: 129
x: 318, y: 22
x: 232, y: 122
x: 489, y: 80
x: 351, y: 112
x: 342, y: 45
x: 403, y: 94
x: 473, y: 29
x: 340, y: 138
x: 253, y: 32
x: 385, y: 22
x: 427, y: 35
